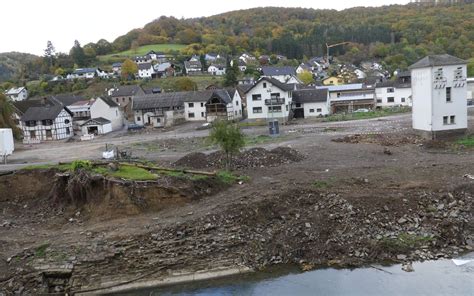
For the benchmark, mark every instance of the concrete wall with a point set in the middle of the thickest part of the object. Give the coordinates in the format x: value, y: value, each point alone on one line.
x: 199, y: 110
x: 308, y: 107
x: 382, y: 94
x: 421, y: 86
x: 102, y: 109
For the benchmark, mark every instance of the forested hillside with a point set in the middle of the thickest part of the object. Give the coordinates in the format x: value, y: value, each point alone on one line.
x: 398, y: 34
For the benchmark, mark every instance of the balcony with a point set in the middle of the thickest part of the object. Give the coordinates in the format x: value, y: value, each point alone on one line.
x: 275, y: 101
x: 354, y: 97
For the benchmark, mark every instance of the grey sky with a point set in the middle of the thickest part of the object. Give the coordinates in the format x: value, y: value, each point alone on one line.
x: 26, y: 25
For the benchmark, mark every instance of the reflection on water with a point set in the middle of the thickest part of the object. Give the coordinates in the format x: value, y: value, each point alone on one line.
x: 441, y: 277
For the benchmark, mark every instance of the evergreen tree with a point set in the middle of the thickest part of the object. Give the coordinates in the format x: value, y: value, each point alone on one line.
x: 77, y: 54
x: 231, y: 74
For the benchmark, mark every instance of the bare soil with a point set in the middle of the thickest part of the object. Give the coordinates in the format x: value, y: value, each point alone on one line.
x: 345, y: 203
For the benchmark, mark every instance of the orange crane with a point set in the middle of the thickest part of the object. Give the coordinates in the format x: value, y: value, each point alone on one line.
x: 328, y: 46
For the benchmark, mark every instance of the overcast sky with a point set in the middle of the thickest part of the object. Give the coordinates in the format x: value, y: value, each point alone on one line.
x: 26, y: 25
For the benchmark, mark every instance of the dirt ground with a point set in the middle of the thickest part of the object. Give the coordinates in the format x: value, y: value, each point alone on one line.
x: 345, y: 203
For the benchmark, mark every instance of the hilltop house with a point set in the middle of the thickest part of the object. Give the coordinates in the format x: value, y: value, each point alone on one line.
x: 117, y: 68
x: 87, y: 73
x: 283, y: 74
x: 268, y: 98
x: 164, y: 70
x: 439, y: 95
x: 46, y: 123
x: 310, y: 103
x: 210, y: 105
x: 216, y: 69
x: 145, y: 70
x: 392, y: 93
x: 142, y: 59
x: 17, y: 94
x: 193, y: 67
x: 105, y: 116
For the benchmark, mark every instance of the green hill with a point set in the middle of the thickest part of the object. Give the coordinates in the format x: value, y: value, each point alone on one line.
x: 142, y: 50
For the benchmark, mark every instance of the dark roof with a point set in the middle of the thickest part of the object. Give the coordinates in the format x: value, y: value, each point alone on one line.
x: 117, y: 64
x: 192, y: 64
x: 222, y: 94
x: 163, y: 100
x: 109, y: 101
x: 388, y: 83
x: 437, y: 60
x: 244, y: 87
x: 144, y: 66
x: 126, y: 91
x: 153, y: 90
x: 67, y: 99
x: 404, y: 74
x: 277, y: 83
x: 85, y: 70
x: 310, y: 95
x: 42, y: 113
x: 276, y: 71
x: 99, y: 120
x: 23, y: 106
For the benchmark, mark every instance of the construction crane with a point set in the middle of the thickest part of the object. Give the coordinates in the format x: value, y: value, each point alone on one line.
x: 328, y: 46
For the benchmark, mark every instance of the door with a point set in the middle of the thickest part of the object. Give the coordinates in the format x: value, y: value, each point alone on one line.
x: 49, y: 135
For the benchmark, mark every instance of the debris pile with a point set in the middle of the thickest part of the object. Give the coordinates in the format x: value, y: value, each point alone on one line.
x: 381, y: 139
x: 252, y: 158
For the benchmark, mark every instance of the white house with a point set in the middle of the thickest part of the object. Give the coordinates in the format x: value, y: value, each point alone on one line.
x: 193, y: 67
x: 145, y: 70
x: 348, y: 98
x: 304, y: 67
x: 470, y: 91
x: 17, y: 94
x: 269, y: 99
x: 216, y: 69
x: 310, y: 103
x: 87, y: 73
x: 392, y: 94
x: 360, y: 74
x: 210, y: 105
x: 439, y: 90
x: 158, y: 109
x: 103, y: 112
x: 46, y: 123
x: 142, y: 59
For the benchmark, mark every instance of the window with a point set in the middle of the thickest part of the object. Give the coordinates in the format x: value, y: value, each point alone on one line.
x: 452, y: 119
x: 235, y: 112
x: 286, y: 107
x: 158, y: 120
x: 68, y: 131
x: 379, y: 101
x: 390, y: 99
x: 240, y: 112
x: 319, y: 110
x: 139, y: 118
x: 191, y: 115
x: 256, y: 97
x: 403, y: 100
x: 448, y: 94
x: 257, y: 110
x: 390, y: 90
x: 445, y: 120
x: 274, y: 109
x: 33, y: 134
x: 202, y: 114
x: 275, y: 96
x: 66, y: 121
x: 264, y: 85
x: 202, y: 104
x: 47, y: 122
x: 191, y: 105
x: 236, y: 103
x: 123, y: 99
x: 298, y: 105
x: 311, y: 110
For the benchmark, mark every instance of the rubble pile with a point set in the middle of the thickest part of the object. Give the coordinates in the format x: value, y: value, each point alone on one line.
x: 381, y: 139
x: 251, y: 158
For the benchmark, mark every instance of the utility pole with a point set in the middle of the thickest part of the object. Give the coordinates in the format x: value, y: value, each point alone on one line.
x: 328, y: 46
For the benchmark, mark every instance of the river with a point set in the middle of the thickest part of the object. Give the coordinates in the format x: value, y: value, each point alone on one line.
x: 432, y: 278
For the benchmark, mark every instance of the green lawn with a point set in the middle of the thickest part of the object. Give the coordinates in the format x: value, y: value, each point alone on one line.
x: 366, y: 115
x: 142, y: 50
x: 467, y: 141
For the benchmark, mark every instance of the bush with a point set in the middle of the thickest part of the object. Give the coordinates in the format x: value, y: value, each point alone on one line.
x: 81, y: 164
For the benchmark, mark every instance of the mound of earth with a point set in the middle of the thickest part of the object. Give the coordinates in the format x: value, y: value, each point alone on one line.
x: 381, y: 139
x: 255, y: 157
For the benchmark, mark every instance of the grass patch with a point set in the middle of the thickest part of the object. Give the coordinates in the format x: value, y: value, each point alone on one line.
x: 229, y: 178
x: 127, y: 172
x: 142, y: 50
x: 321, y: 184
x: 467, y: 141
x: 41, y: 250
x: 253, y: 123
x: 366, y: 115
x: 61, y: 167
x: 404, y: 242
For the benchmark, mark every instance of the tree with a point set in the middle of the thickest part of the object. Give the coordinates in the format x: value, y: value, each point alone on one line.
x: 229, y: 137
x: 185, y: 84
x: 470, y: 68
x: 134, y: 46
x: 6, y: 116
x: 77, y: 54
x: 231, y: 74
x: 49, y: 53
x: 129, y: 69
x: 306, y: 77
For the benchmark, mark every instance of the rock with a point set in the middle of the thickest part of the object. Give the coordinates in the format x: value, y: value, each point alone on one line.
x: 402, y: 220
x: 440, y: 207
x: 385, y: 208
x: 308, y: 225
x: 113, y: 166
x: 401, y: 257
x: 408, y: 267
x: 387, y: 151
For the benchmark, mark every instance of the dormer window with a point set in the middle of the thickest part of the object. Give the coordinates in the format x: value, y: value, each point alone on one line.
x: 264, y: 85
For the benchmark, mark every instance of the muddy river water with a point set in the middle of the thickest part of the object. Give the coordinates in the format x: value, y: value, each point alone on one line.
x: 441, y: 277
